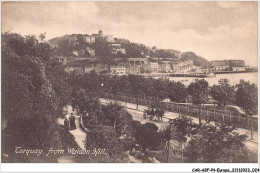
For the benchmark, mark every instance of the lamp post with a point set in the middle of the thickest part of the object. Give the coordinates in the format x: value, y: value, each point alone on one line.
x: 102, y: 84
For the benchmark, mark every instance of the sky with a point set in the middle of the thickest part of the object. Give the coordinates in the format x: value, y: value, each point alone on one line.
x: 213, y: 30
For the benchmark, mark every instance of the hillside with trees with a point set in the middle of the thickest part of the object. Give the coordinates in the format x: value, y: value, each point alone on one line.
x: 133, y: 50
x: 197, y: 60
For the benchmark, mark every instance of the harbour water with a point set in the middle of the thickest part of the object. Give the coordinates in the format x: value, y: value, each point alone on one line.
x: 234, y: 78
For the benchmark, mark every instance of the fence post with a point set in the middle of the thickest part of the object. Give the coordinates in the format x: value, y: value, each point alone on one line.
x: 223, y: 119
x: 230, y: 117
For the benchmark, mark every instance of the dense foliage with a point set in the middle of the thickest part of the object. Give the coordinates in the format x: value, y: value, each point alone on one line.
x: 246, y: 97
x: 197, y: 60
x: 217, y: 144
x: 104, y: 137
x: 223, y: 93
x: 34, y: 91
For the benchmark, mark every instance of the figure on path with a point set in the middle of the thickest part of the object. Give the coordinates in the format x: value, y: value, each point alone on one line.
x: 152, y: 107
x: 72, y: 122
x: 66, y: 123
x: 144, y: 115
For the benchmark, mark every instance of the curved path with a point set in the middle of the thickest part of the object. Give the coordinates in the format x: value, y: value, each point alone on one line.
x: 78, y: 133
x: 80, y: 137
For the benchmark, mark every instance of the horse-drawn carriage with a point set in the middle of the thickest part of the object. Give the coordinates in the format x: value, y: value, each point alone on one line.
x: 151, y: 113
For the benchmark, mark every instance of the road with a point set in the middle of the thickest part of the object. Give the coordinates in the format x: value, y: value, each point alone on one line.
x: 138, y: 115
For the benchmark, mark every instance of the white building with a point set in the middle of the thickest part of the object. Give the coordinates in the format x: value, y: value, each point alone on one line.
x: 76, y: 70
x: 222, y: 65
x: 72, y: 40
x: 90, y: 51
x: 118, y: 70
x: 165, y: 67
x: 109, y: 38
x: 115, y: 48
x: 154, y: 66
x: 89, y: 39
x: 238, y: 68
x: 63, y: 60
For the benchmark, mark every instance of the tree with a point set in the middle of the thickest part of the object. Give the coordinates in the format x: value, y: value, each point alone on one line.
x: 182, y: 128
x: 197, y: 60
x: 224, y: 93
x: 117, y: 117
x: 31, y: 100
x: 215, y: 144
x: 177, y: 92
x: 59, y: 80
x: 136, y: 125
x: 136, y: 86
x: 167, y: 135
x: 160, y: 87
x: 199, y: 92
x: 147, y: 136
x: 42, y: 36
x: 246, y: 98
x: 104, y: 137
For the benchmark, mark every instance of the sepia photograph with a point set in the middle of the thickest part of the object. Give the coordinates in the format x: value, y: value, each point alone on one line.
x: 129, y: 82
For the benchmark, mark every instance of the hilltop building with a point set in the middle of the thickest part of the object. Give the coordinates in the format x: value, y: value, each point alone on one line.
x: 115, y: 48
x: 90, y: 51
x: 100, y: 34
x: 73, y: 41
x: 105, y: 38
x: 78, y: 53
x: 89, y: 39
x: 109, y: 38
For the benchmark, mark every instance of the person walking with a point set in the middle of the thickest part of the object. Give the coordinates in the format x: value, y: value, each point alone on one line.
x: 144, y: 115
x: 72, y: 122
x: 66, y: 123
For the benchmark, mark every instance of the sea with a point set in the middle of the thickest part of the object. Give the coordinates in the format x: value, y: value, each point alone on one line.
x: 234, y: 78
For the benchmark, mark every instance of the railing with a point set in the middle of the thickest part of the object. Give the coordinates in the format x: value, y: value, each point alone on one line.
x: 206, y: 114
